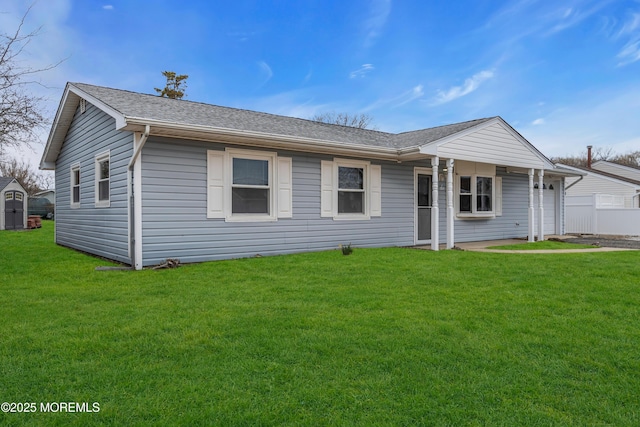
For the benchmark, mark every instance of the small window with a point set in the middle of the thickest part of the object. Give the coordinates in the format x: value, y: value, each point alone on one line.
x: 465, y: 194
x: 83, y: 105
x: 102, y: 181
x: 75, y: 186
x: 19, y: 197
x: 8, y: 196
x: 484, y: 194
x: 350, y: 190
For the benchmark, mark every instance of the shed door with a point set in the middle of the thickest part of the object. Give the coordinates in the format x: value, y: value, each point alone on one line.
x: 14, y: 210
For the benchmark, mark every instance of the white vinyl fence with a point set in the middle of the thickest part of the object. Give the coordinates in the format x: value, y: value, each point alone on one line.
x: 595, y: 214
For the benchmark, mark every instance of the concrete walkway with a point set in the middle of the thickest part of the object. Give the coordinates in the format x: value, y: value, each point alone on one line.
x: 483, y: 247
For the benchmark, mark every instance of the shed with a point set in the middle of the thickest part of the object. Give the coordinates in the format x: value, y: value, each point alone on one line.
x: 13, y: 199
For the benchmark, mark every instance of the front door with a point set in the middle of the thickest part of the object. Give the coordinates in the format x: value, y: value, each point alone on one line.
x: 14, y: 210
x: 423, y: 208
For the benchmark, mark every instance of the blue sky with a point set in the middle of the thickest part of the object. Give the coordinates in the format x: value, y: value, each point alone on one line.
x: 564, y: 73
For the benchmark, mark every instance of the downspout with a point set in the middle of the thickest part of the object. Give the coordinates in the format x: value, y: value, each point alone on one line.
x: 135, y: 212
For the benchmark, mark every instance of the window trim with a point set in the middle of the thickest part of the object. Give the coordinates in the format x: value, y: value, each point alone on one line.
x: 474, y: 197
x: 366, y: 188
x: 72, y: 184
x: 270, y: 157
x: 362, y: 190
x: 98, y: 160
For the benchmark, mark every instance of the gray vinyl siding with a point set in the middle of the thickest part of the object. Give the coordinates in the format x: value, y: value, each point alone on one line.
x: 175, y: 223
x: 512, y: 224
x: 100, y: 231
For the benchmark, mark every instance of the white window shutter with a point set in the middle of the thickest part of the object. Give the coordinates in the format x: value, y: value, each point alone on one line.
x: 285, y: 187
x: 375, y: 179
x: 498, y: 196
x: 326, y: 188
x: 215, y: 184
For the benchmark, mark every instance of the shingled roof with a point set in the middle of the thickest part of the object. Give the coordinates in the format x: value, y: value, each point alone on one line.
x: 4, y: 181
x: 607, y: 174
x: 183, y: 112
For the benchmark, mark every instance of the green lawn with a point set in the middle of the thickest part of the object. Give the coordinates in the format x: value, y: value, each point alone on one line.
x: 380, y: 337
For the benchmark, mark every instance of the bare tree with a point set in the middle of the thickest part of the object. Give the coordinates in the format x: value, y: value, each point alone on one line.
x: 631, y: 158
x: 32, y: 181
x: 360, y: 121
x: 175, y: 87
x: 581, y: 160
x: 21, y: 114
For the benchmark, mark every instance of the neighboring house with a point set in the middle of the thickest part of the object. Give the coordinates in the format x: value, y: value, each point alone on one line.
x: 50, y: 195
x: 42, y: 204
x: 611, y: 190
x: 13, y: 199
x: 602, y: 203
x: 628, y: 172
x: 142, y: 178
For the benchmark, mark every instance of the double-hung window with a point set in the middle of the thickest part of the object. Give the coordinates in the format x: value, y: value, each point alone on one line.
x: 75, y: 186
x: 350, y: 189
x: 351, y: 193
x: 102, y: 181
x: 248, y: 185
x: 251, y: 186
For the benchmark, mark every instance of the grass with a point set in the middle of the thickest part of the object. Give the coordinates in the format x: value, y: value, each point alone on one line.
x: 381, y: 337
x: 545, y: 244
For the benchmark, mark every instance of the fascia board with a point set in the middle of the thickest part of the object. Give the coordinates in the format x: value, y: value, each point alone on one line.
x: 432, y: 147
x: 117, y: 115
x: 63, y: 118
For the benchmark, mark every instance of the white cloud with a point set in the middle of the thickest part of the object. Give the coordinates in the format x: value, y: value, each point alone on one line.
x: 362, y: 71
x: 414, y: 93
x: 108, y: 7
x: 376, y: 21
x: 537, y: 122
x: 266, y: 71
x: 602, y: 120
x: 296, y: 103
x: 630, y: 52
x: 471, y: 84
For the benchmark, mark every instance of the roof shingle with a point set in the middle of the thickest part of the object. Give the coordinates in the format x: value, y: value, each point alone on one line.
x: 144, y: 106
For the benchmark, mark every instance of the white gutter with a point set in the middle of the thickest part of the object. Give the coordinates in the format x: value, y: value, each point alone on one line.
x: 138, y: 149
x: 296, y: 143
x: 574, y: 183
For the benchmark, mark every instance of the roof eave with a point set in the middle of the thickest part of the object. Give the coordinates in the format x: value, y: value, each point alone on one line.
x: 259, y: 139
x: 431, y: 148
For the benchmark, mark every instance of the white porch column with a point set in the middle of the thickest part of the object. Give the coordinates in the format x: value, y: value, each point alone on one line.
x: 531, y: 210
x: 450, y: 212
x: 435, y: 215
x: 540, y: 205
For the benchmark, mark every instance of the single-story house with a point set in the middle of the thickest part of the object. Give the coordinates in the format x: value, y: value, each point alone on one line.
x: 42, y: 204
x: 49, y: 195
x: 628, y: 172
x: 611, y: 190
x: 13, y: 198
x: 141, y: 178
